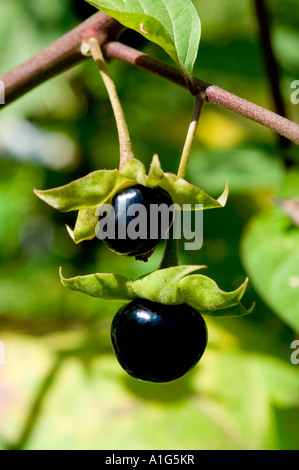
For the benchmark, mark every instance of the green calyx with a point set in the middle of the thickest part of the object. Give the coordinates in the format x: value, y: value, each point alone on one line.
x: 88, y: 193
x: 170, y: 286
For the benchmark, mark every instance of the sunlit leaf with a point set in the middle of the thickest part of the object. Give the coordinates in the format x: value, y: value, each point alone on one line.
x: 172, y: 24
x: 270, y: 252
x: 291, y: 208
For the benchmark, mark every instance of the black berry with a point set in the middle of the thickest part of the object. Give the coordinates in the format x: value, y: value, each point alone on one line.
x: 144, y: 239
x: 158, y: 343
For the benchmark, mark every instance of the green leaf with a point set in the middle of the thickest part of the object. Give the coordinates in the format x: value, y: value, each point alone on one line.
x: 172, y: 24
x: 183, y: 193
x: 290, y: 186
x: 270, y: 253
x: 203, y: 294
x: 162, y: 285
x: 105, y: 286
x: 291, y: 208
x: 288, y: 197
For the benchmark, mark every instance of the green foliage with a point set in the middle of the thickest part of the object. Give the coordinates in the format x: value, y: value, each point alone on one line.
x: 243, y: 396
x: 162, y: 22
x: 270, y: 251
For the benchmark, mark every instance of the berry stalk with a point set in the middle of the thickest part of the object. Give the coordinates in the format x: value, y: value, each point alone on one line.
x: 171, y: 251
x: 126, y: 152
x: 198, y: 105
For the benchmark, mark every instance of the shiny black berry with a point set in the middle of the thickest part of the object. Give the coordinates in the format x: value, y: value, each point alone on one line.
x: 134, y: 227
x: 158, y: 343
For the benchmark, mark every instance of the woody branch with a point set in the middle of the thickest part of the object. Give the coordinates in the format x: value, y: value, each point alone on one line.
x: 66, y: 53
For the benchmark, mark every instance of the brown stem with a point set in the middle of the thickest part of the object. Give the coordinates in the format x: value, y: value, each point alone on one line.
x: 58, y: 57
x: 279, y: 124
x: 65, y: 53
x: 171, y: 252
x: 214, y: 94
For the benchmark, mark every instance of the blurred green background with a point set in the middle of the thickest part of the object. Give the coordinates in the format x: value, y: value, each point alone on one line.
x: 61, y: 387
